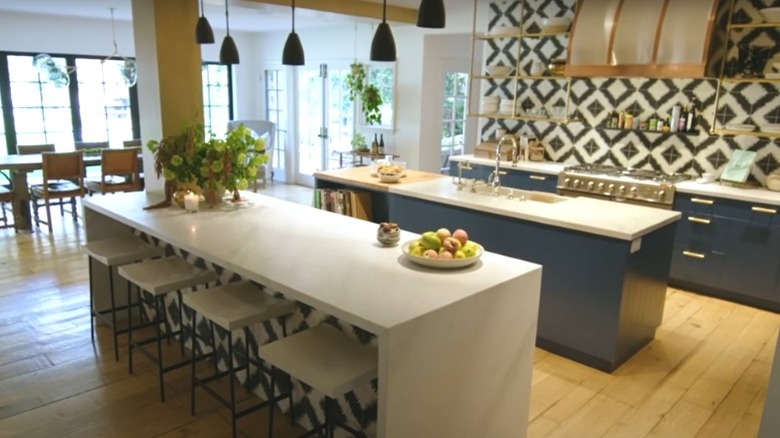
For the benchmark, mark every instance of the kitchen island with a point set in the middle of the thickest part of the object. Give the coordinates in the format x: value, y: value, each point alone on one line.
x: 455, y: 347
x: 606, y: 264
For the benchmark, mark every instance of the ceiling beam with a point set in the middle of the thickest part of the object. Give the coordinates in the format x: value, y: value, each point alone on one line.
x: 355, y: 8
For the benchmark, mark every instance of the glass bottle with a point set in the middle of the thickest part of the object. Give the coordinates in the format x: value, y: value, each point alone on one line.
x: 381, y: 144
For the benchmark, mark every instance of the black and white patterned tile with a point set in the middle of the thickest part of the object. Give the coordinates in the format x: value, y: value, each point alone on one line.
x: 593, y: 99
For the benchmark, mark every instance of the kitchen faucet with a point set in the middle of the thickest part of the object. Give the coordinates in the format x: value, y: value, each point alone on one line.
x: 494, y: 178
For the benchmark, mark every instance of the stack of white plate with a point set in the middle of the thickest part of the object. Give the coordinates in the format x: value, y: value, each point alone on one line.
x: 490, y: 104
x: 555, y: 24
x: 507, y: 107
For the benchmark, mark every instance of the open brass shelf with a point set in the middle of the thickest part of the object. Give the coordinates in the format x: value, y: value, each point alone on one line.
x: 484, y: 37
x: 720, y: 131
x: 524, y: 118
x: 752, y: 25
x: 726, y: 80
x: 521, y: 77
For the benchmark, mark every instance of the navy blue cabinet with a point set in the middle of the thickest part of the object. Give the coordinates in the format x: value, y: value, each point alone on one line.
x: 729, y: 249
x: 515, y: 178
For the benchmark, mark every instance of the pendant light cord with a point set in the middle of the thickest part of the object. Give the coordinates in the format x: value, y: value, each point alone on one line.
x: 293, y: 16
x: 384, y: 11
x: 202, y: 12
x: 227, y: 20
x: 113, y: 33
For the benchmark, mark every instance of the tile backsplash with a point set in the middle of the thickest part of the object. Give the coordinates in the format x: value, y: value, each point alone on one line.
x: 591, y: 100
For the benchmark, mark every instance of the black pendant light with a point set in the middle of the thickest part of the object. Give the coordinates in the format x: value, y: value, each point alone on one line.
x: 293, y: 49
x: 203, y: 32
x: 383, y: 45
x: 431, y: 14
x: 228, y: 53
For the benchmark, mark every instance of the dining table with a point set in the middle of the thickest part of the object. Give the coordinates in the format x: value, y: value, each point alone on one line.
x: 19, y: 167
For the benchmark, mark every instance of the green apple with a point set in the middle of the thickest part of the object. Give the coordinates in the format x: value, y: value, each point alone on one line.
x: 469, y: 249
x: 460, y: 254
x: 430, y: 241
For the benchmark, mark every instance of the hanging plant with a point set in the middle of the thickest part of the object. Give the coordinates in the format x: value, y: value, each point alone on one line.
x: 367, y: 94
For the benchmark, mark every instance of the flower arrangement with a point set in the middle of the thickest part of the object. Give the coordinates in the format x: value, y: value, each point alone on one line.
x: 212, y: 165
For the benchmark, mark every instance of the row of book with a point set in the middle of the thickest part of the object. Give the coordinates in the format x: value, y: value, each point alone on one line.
x: 342, y: 201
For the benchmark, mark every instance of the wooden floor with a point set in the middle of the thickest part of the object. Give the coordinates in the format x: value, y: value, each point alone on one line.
x: 704, y: 375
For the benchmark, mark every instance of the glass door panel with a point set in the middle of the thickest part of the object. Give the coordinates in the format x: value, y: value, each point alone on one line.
x: 311, y: 121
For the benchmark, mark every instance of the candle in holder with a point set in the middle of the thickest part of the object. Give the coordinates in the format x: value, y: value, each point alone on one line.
x: 191, y: 202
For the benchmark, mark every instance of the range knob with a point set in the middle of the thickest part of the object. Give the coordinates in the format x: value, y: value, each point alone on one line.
x: 590, y: 185
x: 661, y: 195
x: 622, y: 190
x: 611, y: 188
x: 633, y: 192
x: 576, y: 183
x: 567, y: 182
x: 601, y: 187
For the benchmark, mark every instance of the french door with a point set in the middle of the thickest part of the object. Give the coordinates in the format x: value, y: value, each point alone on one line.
x: 325, y: 120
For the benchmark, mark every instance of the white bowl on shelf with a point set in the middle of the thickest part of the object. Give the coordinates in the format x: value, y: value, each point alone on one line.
x: 498, y: 70
x: 555, y: 24
x: 505, y: 31
x: 773, y: 128
x: 770, y: 15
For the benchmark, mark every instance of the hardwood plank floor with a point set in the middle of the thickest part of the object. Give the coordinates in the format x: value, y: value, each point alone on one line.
x: 704, y: 375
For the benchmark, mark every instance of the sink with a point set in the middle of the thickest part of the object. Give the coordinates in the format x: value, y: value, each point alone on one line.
x: 518, y: 194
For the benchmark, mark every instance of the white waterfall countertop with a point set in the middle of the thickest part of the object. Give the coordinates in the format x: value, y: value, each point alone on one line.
x: 605, y: 218
x: 455, y: 347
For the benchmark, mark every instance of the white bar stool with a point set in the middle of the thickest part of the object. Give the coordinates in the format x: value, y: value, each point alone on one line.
x: 112, y: 253
x: 158, y: 278
x: 233, y: 306
x: 326, y: 359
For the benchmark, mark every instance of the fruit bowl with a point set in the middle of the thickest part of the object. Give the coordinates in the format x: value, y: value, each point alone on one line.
x: 389, y: 177
x: 441, y: 263
x: 388, y: 233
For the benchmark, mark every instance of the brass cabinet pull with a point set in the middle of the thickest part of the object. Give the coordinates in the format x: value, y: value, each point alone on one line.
x: 695, y: 255
x: 698, y: 220
x: 764, y: 210
x: 538, y: 178
x: 702, y: 201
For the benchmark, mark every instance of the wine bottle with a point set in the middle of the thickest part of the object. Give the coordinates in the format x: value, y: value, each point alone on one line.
x: 374, y: 146
x: 381, y: 144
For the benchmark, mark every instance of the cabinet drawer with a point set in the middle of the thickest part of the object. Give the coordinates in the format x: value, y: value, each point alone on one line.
x: 728, y: 208
x: 697, y: 264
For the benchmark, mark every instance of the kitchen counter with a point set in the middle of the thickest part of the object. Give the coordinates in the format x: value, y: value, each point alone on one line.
x: 587, y: 215
x: 425, y: 320
x: 605, y: 263
x: 360, y: 177
x: 755, y: 194
x: 546, y: 167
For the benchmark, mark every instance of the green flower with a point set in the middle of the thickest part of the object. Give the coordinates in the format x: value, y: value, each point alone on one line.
x: 176, y: 160
x: 204, y: 171
x: 242, y: 184
x: 241, y: 158
x: 168, y: 174
x: 216, y: 166
x: 256, y: 161
x: 260, y: 144
x: 251, y: 171
x: 219, y: 146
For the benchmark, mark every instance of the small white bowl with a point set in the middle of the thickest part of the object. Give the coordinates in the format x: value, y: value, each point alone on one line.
x: 556, y: 24
x: 770, y: 15
x: 390, y: 177
x: 498, y: 70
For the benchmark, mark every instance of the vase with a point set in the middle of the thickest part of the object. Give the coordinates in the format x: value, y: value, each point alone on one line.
x: 214, y: 196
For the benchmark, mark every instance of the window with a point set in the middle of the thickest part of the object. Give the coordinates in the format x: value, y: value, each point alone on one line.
x: 453, y: 116
x: 42, y: 111
x: 104, y: 102
x: 3, y: 151
x: 216, y: 98
x: 384, y: 79
x: 276, y: 111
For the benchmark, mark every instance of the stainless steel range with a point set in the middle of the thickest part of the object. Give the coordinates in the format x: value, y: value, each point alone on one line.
x: 632, y: 186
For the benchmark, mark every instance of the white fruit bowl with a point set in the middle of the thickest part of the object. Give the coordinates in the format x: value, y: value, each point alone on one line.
x: 390, y: 177
x: 498, y: 70
x: 441, y: 263
x: 770, y: 15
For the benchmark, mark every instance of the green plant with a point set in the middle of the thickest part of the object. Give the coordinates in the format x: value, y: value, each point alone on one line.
x: 367, y: 94
x: 196, y: 163
x: 358, y: 142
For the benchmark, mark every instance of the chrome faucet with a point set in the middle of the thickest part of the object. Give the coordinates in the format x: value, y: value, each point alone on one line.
x: 515, y: 147
x: 461, y: 166
x: 495, y: 177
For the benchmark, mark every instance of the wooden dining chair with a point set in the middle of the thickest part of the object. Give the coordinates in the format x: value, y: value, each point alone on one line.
x: 118, y: 172
x: 59, y: 166
x: 6, y: 196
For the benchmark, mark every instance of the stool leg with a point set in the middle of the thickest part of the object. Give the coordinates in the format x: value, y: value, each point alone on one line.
x: 113, y: 312
x: 248, y: 362
x: 232, y: 378
x: 91, y: 300
x: 214, y: 358
x: 193, y: 382
x: 271, y: 403
x: 130, y: 327
x: 158, y: 331
x: 181, y: 324
x: 328, y: 419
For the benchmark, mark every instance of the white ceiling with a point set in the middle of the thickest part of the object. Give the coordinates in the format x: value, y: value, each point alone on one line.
x: 244, y: 15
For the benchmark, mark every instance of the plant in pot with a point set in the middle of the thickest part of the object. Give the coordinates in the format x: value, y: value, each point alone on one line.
x: 189, y: 162
x: 358, y: 143
x: 367, y: 94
